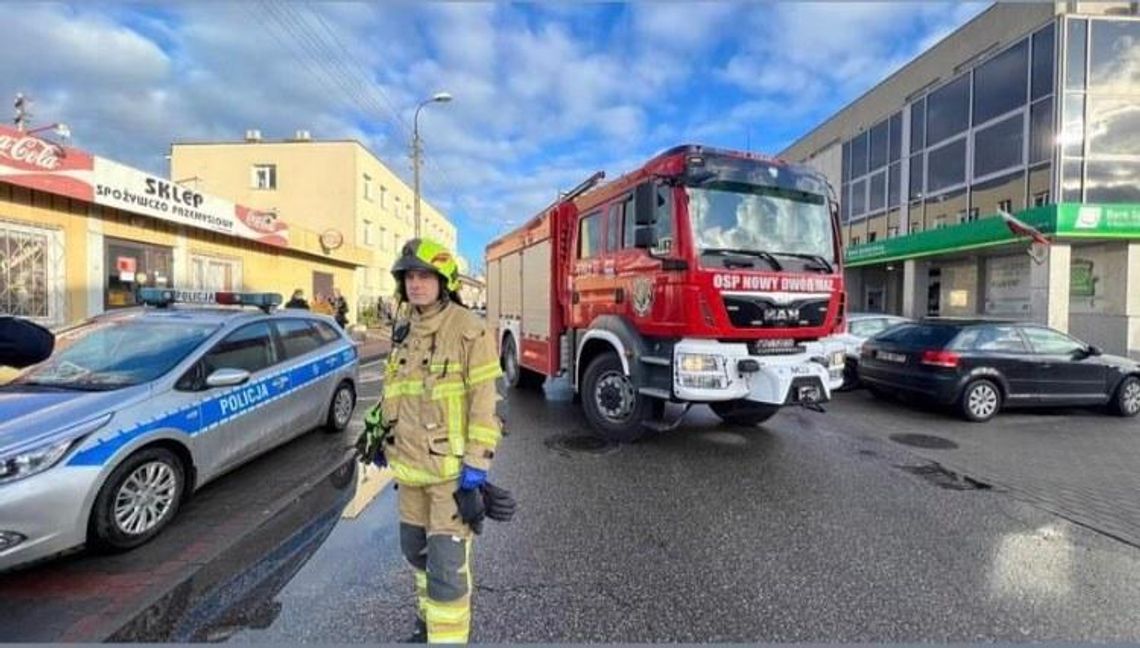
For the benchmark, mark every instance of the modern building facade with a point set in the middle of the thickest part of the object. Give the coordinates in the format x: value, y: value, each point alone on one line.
x: 1031, y: 109
x: 338, y: 188
x: 80, y: 234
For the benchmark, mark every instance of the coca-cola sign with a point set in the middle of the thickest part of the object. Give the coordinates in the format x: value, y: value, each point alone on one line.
x: 32, y: 151
x: 36, y: 163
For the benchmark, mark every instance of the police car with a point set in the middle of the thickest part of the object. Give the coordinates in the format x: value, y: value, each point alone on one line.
x: 138, y: 408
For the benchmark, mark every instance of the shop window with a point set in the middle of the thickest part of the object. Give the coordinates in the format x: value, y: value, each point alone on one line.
x: 24, y: 272
x: 918, y: 125
x: 590, y: 236
x: 1041, y: 131
x: 1042, y: 70
x: 999, y: 83
x: 1075, y: 54
x: 999, y: 147
x: 878, y: 145
x: 948, y: 110
x: 1113, y: 55
x: 947, y: 166
x: 265, y: 176
x: 131, y: 265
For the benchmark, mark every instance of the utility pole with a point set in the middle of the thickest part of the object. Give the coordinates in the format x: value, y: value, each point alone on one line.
x: 22, y: 113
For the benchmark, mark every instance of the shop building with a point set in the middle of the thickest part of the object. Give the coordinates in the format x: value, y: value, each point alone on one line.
x: 79, y: 234
x: 337, y: 187
x: 1032, y: 109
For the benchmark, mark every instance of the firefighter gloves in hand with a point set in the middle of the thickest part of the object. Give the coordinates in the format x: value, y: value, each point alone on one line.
x: 370, y: 443
x: 471, y: 509
x: 498, y: 502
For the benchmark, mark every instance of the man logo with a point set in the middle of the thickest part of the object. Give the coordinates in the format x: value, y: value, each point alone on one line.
x: 782, y: 315
x: 642, y: 296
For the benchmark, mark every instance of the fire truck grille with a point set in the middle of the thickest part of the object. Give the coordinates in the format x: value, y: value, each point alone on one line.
x: 759, y: 312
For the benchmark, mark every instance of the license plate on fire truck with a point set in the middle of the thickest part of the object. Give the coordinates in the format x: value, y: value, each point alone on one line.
x: 773, y: 347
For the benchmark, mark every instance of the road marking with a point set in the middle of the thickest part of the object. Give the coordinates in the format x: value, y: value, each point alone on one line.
x: 374, y: 363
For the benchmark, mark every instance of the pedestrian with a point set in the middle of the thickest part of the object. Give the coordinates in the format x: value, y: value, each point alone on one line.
x: 298, y: 300
x: 322, y: 305
x: 23, y: 343
x: 340, y: 306
x: 437, y: 429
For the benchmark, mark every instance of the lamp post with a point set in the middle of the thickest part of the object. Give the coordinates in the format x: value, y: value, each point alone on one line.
x: 439, y: 97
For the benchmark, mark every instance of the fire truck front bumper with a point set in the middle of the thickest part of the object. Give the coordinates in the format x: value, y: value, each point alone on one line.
x: 708, y: 370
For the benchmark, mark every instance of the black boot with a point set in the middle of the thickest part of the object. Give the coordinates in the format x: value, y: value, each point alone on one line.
x: 420, y: 635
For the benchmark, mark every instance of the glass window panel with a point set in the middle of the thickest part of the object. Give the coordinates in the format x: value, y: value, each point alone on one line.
x: 1071, y: 181
x: 918, y: 125
x: 859, y: 198
x: 1073, y: 132
x: 1051, y: 342
x: 878, y: 145
x: 948, y: 110
x: 917, y: 174
x: 877, y: 198
x: 1042, y: 63
x: 1041, y: 131
x: 859, y: 155
x: 1006, y: 192
x: 847, y: 161
x: 895, y: 128
x: 1075, y: 55
x: 999, y: 83
x: 947, y: 166
x: 1112, y: 181
x: 1114, y: 56
x: 999, y: 147
x: 1114, y: 125
x: 845, y: 209
x: 590, y: 236
x: 894, y: 188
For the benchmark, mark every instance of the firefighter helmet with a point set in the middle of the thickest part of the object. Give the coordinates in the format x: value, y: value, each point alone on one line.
x: 426, y: 254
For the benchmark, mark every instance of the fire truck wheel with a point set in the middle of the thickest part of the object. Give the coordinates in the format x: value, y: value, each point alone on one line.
x: 744, y: 412
x: 611, y: 402
x: 517, y: 376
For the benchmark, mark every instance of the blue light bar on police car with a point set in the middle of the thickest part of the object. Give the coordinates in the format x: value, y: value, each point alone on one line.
x: 162, y: 297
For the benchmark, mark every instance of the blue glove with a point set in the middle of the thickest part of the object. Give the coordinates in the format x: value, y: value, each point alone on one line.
x: 471, y: 478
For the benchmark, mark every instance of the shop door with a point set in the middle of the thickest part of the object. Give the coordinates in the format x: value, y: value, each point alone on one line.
x: 130, y: 266
x: 322, y: 285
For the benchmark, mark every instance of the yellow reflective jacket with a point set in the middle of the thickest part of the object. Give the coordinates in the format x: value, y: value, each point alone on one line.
x: 440, y: 397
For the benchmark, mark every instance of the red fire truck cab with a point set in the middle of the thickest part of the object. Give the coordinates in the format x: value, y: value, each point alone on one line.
x: 705, y: 276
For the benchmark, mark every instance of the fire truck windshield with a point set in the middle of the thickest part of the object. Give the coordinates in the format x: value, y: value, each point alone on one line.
x: 742, y: 218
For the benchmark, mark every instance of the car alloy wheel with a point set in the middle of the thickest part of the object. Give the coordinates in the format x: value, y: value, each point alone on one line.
x: 1130, y: 398
x: 982, y: 400
x: 342, y: 409
x: 145, y: 498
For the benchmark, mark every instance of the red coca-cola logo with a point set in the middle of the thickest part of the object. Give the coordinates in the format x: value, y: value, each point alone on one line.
x: 32, y: 151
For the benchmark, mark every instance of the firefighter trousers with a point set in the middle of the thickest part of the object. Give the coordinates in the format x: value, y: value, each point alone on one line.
x: 438, y: 545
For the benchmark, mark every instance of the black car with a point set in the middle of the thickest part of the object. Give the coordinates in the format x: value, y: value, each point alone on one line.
x: 980, y: 366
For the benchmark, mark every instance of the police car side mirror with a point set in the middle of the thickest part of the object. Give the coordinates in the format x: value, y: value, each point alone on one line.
x: 227, y: 378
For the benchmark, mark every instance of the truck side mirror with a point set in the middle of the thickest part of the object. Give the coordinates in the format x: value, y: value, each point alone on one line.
x: 644, y: 204
x: 645, y: 237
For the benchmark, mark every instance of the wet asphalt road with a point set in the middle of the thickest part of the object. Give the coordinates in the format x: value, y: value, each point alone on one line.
x: 797, y: 531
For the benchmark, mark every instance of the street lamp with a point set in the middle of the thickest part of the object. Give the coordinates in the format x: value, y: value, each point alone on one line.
x: 61, y: 130
x: 439, y: 97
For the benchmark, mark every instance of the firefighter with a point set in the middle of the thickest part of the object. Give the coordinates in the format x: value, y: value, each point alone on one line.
x: 438, y: 431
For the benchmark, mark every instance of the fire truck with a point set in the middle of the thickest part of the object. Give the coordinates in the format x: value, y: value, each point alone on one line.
x: 705, y: 276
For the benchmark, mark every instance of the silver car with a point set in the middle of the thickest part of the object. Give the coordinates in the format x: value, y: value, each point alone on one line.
x: 136, y: 409
x: 860, y: 327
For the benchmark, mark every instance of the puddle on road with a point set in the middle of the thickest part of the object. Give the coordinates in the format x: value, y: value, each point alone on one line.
x: 942, y: 477
x: 928, y: 441
x: 577, y: 442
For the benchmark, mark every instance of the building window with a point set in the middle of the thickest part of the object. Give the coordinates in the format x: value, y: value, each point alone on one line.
x: 383, y: 197
x: 854, y: 240
x: 1041, y: 131
x: 367, y: 187
x: 130, y: 265
x: 999, y: 83
x: 872, y: 237
x: 998, y: 147
x: 918, y: 125
x: 1042, y: 82
x: 383, y: 238
x: 368, y: 240
x: 213, y: 274
x: 968, y: 216
x: 1041, y: 199
x: 1005, y: 205
x: 265, y: 176
x: 1075, y: 54
x: 892, y: 232
x: 948, y: 110
x: 940, y: 221
x: 946, y: 166
x: 877, y: 196
x: 25, y: 274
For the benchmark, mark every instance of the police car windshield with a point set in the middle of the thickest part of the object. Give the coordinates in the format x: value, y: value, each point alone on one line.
x: 105, y: 355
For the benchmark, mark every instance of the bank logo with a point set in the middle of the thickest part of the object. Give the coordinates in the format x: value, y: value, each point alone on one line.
x: 1088, y: 218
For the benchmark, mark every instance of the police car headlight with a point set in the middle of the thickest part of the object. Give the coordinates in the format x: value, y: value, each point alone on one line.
x: 22, y: 463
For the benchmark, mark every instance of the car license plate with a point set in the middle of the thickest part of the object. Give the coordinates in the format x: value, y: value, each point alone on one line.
x: 809, y: 394
x: 891, y: 357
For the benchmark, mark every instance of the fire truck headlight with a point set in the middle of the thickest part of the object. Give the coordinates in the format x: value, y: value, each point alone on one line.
x: 699, y: 362
x: 838, y: 359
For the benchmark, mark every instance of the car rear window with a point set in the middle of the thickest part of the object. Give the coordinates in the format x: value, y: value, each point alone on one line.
x: 927, y: 336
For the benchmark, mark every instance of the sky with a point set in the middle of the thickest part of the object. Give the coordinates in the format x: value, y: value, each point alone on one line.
x: 544, y: 93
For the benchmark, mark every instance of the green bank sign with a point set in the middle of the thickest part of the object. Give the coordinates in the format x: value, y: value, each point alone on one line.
x: 1065, y: 220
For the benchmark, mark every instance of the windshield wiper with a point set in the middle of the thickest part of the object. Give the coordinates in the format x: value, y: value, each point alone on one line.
x: 767, y: 256
x: 811, y: 257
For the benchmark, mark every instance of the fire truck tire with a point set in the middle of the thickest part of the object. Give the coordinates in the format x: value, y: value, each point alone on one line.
x: 744, y: 412
x: 517, y: 376
x: 611, y: 401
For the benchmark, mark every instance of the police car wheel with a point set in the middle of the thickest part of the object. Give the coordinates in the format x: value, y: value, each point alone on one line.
x: 340, y: 409
x: 138, y: 500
